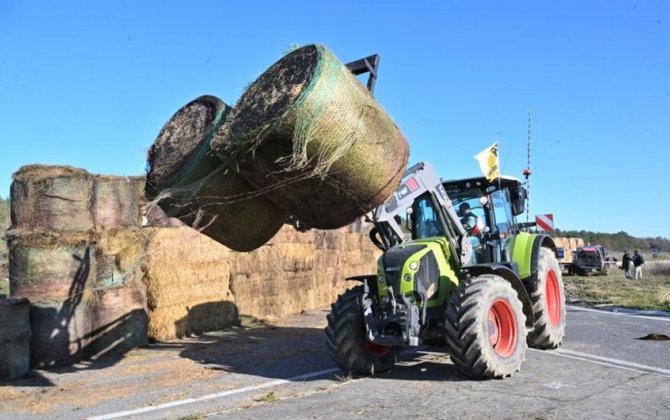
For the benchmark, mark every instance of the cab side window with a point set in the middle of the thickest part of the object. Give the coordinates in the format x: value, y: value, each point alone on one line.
x: 502, y: 212
x: 425, y: 221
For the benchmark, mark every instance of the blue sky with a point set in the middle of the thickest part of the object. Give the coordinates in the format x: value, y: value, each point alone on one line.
x: 90, y: 84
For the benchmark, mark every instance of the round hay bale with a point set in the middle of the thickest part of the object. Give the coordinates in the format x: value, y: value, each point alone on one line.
x: 560, y: 242
x: 308, y: 133
x: 573, y: 243
x: 188, y: 181
x: 51, y: 197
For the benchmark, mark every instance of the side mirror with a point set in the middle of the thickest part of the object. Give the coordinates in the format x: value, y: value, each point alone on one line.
x: 518, y: 196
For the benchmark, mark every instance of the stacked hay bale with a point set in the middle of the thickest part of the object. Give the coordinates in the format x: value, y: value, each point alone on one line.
x: 195, y: 284
x: 14, y: 338
x: 565, y: 244
x: 75, y: 247
x: 308, y: 134
x: 187, y: 277
x: 575, y: 243
x: 298, y: 271
x: 569, y: 246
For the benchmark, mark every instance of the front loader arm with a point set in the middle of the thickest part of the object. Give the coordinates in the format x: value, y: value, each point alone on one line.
x: 419, y: 179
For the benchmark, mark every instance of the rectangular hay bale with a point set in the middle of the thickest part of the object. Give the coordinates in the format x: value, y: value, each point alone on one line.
x: 14, y: 338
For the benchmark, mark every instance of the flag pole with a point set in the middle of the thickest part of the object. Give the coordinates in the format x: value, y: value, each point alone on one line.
x: 527, y: 171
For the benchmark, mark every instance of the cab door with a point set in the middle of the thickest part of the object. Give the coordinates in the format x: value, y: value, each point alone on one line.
x: 503, y: 223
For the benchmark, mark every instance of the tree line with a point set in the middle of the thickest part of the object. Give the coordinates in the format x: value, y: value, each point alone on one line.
x: 616, y: 242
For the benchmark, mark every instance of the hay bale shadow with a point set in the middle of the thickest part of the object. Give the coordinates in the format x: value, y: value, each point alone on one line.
x: 207, y: 317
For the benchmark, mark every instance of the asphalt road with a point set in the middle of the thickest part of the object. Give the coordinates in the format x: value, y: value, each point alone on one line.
x: 603, y: 370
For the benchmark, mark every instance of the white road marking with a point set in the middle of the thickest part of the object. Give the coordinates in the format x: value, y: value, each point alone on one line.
x: 216, y: 395
x: 606, y: 361
x: 665, y: 318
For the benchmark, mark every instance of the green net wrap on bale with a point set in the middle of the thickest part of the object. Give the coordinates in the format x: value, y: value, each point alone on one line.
x: 188, y: 181
x: 312, y: 136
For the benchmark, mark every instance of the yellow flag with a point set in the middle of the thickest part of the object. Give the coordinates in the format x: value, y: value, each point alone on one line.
x: 488, y: 161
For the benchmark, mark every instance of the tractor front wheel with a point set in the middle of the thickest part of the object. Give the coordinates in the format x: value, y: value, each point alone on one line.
x: 548, y: 298
x: 486, y: 331
x: 346, y: 342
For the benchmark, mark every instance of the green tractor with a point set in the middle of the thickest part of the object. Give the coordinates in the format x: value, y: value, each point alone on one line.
x: 458, y: 269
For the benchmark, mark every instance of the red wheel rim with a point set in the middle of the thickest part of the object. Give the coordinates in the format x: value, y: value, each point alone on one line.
x: 553, y: 298
x: 502, y: 328
x: 376, y: 350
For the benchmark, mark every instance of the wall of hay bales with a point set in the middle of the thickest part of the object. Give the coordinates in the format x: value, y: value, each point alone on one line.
x: 195, y: 284
x: 299, y: 271
x: 104, y: 273
x: 75, y: 251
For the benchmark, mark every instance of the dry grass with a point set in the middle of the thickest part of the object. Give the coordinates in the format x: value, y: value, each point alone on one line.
x: 652, y: 292
x: 151, y: 371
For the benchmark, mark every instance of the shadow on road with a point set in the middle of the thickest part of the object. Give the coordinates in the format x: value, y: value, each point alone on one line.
x: 281, y: 352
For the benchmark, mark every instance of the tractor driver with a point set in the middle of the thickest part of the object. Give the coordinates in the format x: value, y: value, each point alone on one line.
x: 472, y: 224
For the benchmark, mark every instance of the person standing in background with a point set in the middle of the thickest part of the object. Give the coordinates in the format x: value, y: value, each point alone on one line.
x: 637, y: 262
x: 625, y: 264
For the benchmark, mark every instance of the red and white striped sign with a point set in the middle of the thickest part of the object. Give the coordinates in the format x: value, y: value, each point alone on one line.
x: 545, y: 222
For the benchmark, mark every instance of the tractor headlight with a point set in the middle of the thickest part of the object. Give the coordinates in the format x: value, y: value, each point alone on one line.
x: 407, y: 277
x: 413, y: 265
x: 380, y: 279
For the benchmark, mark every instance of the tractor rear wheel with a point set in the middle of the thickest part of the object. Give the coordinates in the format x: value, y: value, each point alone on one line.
x: 548, y: 298
x: 486, y: 330
x: 346, y: 342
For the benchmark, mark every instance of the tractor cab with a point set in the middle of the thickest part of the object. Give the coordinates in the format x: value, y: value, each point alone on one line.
x: 488, y: 210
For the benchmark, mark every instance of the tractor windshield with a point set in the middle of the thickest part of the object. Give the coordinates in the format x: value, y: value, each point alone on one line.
x: 425, y: 221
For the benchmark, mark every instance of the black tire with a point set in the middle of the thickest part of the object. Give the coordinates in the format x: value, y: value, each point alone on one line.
x: 346, y: 342
x: 548, y: 298
x: 486, y: 331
